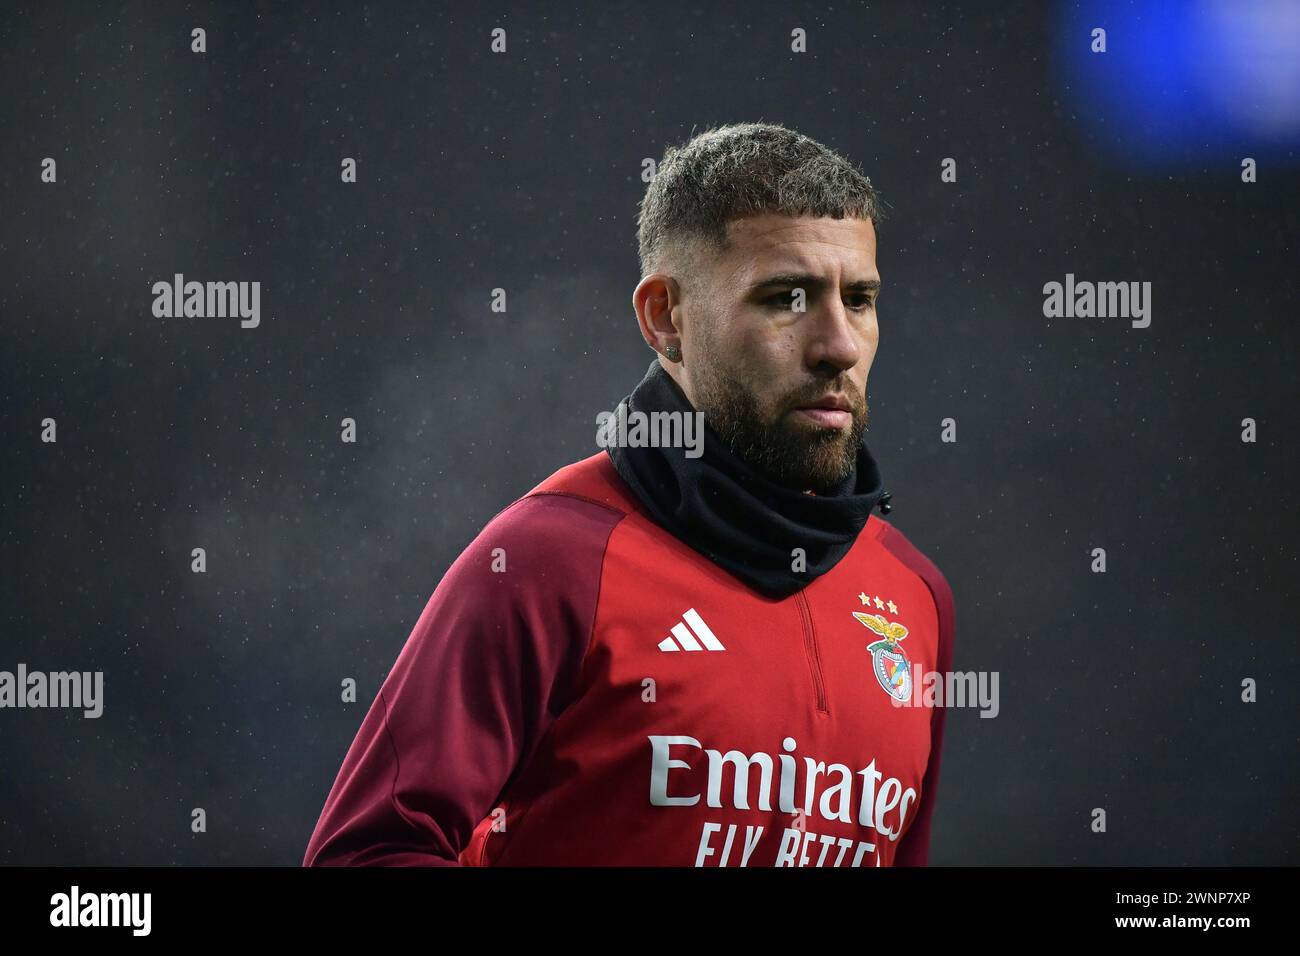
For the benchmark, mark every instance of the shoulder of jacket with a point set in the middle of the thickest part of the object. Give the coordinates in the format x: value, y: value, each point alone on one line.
x: 539, y: 561
x: 897, y: 543
x: 553, y: 518
x: 559, y: 527
x: 593, y: 479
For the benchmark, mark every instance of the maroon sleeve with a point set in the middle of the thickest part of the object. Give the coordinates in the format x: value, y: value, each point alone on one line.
x: 914, y: 845
x: 491, y: 662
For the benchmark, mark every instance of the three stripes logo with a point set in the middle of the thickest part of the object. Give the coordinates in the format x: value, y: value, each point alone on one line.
x: 686, y: 631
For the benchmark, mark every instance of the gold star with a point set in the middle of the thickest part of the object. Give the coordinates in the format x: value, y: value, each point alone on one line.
x: 893, y: 608
x: 879, y: 604
x: 863, y: 598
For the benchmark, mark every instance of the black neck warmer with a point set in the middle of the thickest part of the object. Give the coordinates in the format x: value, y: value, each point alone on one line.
x: 734, y: 516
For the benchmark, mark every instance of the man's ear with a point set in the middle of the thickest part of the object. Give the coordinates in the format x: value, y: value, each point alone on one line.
x: 655, y: 300
x: 674, y: 291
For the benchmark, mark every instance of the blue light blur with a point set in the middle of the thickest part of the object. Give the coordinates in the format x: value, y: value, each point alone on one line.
x: 1183, y: 83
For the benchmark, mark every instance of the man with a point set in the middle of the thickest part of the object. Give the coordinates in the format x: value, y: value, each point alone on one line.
x: 685, y: 656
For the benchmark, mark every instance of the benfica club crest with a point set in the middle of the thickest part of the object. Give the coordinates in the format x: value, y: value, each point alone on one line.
x: 888, y: 659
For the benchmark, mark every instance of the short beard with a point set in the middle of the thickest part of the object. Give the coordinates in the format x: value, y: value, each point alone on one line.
x: 801, y: 457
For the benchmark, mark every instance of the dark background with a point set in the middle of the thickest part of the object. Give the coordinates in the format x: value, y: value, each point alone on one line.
x: 523, y: 171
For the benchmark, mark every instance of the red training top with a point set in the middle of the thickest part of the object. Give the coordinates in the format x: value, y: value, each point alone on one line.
x: 585, y: 689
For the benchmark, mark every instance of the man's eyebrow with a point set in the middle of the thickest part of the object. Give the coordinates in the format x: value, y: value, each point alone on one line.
x: 796, y: 280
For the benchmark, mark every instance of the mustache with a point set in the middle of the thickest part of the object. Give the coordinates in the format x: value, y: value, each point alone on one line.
x: 812, y: 393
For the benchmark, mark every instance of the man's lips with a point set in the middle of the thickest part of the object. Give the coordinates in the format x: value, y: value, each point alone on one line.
x: 831, y: 417
x: 833, y: 411
x: 830, y: 401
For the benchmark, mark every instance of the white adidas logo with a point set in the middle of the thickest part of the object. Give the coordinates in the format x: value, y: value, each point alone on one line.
x: 687, y: 640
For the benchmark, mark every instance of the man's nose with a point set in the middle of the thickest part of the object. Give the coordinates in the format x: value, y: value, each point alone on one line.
x: 832, y: 337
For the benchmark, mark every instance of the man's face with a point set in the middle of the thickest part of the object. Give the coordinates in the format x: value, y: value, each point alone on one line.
x: 786, y: 389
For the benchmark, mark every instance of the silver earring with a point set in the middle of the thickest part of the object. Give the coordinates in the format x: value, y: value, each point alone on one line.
x: 673, y: 353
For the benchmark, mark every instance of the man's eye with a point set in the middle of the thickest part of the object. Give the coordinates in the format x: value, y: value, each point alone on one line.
x: 785, y: 300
